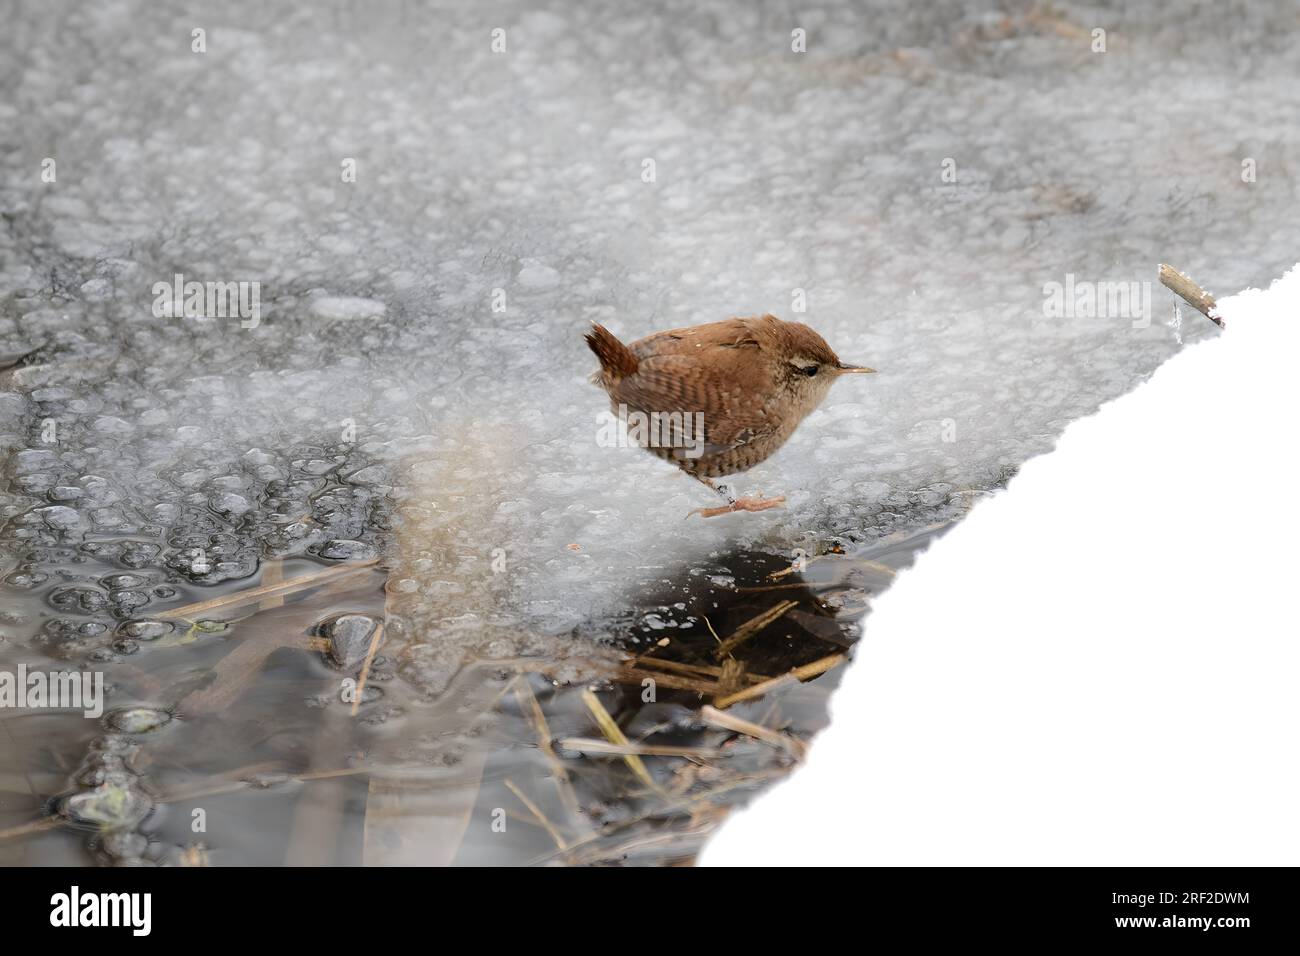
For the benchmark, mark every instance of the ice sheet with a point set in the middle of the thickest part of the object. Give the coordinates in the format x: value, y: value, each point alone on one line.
x: 381, y: 377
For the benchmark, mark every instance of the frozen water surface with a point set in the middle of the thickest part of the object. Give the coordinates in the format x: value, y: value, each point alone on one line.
x: 415, y: 387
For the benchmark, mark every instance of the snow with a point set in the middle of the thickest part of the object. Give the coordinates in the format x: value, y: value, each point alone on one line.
x: 347, y: 307
x: 1082, y: 695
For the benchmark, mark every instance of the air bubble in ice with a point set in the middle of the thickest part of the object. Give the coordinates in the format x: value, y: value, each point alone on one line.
x: 145, y: 630
x: 340, y: 549
x: 111, y: 806
x: 75, y: 599
x: 136, y: 720
x: 350, y: 637
x: 60, y: 517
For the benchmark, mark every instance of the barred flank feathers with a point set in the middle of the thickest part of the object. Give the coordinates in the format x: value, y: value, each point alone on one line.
x: 616, y: 359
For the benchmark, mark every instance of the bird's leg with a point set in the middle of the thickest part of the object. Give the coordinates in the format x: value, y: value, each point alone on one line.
x: 734, y: 503
x: 720, y: 489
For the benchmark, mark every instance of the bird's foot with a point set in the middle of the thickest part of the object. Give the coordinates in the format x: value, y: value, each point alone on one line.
x: 723, y: 490
x: 740, y: 504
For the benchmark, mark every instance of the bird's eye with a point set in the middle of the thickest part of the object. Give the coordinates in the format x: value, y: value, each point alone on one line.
x: 810, y: 370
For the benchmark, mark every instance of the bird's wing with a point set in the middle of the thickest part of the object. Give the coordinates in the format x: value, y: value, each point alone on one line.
x: 729, y: 334
x: 690, y: 384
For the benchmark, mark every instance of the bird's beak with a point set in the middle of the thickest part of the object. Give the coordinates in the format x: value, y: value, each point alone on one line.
x: 843, y: 368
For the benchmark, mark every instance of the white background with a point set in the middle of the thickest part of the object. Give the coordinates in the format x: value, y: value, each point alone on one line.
x: 1098, y: 666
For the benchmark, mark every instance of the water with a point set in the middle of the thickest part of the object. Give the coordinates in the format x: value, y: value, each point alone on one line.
x: 415, y: 389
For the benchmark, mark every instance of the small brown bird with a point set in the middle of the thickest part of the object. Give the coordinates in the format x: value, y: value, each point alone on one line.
x: 719, y: 398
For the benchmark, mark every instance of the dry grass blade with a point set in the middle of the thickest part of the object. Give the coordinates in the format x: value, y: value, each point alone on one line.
x: 702, y: 670
x: 752, y: 627
x: 1190, y: 292
x: 536, y: 811
x: 806, y: 672
x: 632, y: 675
x: 528, y: 703
x: 709, y: 625
x: 272, y: 574
x: 717, y: 718
x: 35, y: 826
x: 365, y: 667
x: 614, y: 734
x: 191, y: 612
x: 589, y: 745
x: 699, y: 670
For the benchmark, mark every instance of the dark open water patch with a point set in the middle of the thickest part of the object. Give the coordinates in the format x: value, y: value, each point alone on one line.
x: 229, y: 736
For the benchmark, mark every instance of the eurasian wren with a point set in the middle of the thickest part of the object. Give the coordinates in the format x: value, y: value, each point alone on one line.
x: 719, y: 397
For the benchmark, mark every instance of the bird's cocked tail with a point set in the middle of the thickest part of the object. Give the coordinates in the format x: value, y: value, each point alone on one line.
x: 616, y: 359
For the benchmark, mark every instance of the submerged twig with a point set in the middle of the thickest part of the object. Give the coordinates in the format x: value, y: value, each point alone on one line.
x: 1191, y: 293
x: 589, y: 745
x: 528, y: 703
x: 705, y: 671
x: 752, y: 627
x: 698, y: 685
x: 34, y: 826
x: 715, y: 717
x: 536, y: 811
x: 190, y: 612
x: 272, y: 573
x: 365, y: 666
